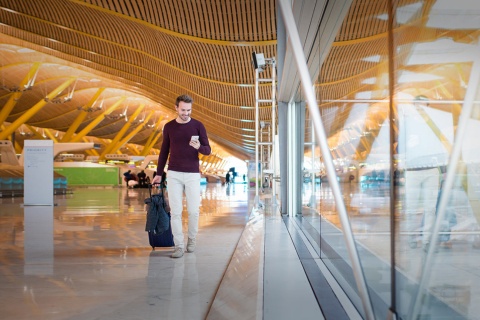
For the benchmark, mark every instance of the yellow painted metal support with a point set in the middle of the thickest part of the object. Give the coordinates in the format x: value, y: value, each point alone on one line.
x: 79, y: 136
x: 438, y: 132
x: 209, y: 160
x: 222, y: 165
x: 134, y: 149
x: 83, y: 114
x: 93, y: 152
x: 33, y: 110
x: 148, y: 148
x: 211, y: 165
x: 218, y: 164
x: 35, y: 132
x: 50, y: 135
x: 132, y: 133
x: 114, y: 145
x: 12, y: 101
x: 18, y: 148
x: 151, y: 141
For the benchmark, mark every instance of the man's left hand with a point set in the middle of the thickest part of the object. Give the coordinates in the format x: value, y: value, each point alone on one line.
x: 195, y: 144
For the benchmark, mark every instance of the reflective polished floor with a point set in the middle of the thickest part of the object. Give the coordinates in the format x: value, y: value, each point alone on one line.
x: 88, y: 257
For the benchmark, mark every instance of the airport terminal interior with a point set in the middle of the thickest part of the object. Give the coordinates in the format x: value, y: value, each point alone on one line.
x: 348, y: 130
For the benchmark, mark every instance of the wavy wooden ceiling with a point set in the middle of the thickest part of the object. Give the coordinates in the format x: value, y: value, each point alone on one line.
x: 148, y: 51
x: 152, y: 51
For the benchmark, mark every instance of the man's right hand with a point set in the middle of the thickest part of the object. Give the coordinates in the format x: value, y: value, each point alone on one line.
x: 157, y: 179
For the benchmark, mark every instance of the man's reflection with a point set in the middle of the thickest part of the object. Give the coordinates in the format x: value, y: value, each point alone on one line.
x: 173, y: 286
x: 425, y: 148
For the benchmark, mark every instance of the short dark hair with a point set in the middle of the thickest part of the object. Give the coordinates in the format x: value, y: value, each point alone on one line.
x: 183, y: 98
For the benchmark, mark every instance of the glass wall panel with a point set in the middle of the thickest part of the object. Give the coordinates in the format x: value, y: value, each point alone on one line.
x: 405, y: 105
x: 436, y: 45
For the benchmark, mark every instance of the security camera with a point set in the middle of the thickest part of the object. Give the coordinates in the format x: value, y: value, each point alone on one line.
x: 258, y: 60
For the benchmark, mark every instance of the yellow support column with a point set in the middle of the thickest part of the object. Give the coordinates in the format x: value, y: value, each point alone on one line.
x: 83, y: 114
x: 18, y: 148
x: 131, y: 134
x: 50, y: 135
x: 92, y: 152
x: 154, y: 141
x: 436, y: 130
x: 148, y: 144
x: 33, y: 110
x: 35, y: 132
x: 133, y: 148
x: 79, y: 136
x: 12, y: 101
x: 114, y: 144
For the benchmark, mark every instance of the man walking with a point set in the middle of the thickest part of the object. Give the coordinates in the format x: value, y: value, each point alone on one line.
x: 183, y: 139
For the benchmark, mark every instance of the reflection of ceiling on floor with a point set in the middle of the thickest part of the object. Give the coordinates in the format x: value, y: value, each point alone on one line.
x: 123, y: 62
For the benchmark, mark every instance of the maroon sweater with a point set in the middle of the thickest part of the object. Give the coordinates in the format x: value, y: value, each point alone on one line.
x: 176, y: 138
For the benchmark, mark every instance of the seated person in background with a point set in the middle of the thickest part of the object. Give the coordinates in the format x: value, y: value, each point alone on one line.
x: 133, y: 184
x: 141, y: 178
x: 127, y: 176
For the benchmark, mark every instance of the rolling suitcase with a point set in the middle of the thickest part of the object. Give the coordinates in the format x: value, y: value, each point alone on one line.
x: 158, y: 228
x: 161, y: 240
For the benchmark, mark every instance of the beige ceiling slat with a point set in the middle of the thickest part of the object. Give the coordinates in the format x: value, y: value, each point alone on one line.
x: 269, y: 18
x: 175, y: 24
x: 133, y: 9
x: 184, y: 17
x: 150, y: 11
x: 258, y: 17
x: 120, y: 6
x: 244, y: 25
x: 219, y: 22
x: 166, y: 14
x: 228, y: 21
x: 198, y: 28
x: 210, y: 17
x: 202, y: 19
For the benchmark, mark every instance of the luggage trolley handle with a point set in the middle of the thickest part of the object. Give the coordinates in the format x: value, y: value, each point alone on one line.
x: 150, y: 186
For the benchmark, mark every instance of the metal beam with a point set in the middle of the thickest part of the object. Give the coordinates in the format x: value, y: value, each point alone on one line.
x: 33, y: 110
x: 134, y: 131
x: 83, y: 114
x: 79, y: 136
x: 151, y: 141
x: 114, y: 144
x: 12, y: 101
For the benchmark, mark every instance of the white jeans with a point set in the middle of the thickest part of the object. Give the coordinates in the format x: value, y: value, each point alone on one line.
x: 178, y: 182
x: 421, y: 188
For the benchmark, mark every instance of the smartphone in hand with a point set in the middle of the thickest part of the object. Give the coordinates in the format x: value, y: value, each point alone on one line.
x: 194, y: 138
